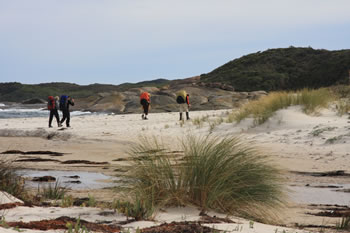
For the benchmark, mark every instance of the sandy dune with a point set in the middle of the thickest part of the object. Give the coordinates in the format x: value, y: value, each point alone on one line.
x: 296, y: 142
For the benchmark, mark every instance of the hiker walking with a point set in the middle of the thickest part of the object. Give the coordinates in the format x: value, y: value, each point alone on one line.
x: 52, y: 105
x: 182, y: 98
x: 65, y: 101
x: 145, y: 102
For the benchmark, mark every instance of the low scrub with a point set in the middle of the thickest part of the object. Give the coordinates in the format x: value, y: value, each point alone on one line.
x: 219, y: 174
x: 262, y: 109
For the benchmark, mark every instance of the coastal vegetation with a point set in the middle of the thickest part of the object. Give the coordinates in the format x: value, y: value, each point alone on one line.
x: 10, y: 181
x: 225, y: 174
x: 17, y: 92
x: 284, y: 69
x: 262, y: 109
x: 53, y: 192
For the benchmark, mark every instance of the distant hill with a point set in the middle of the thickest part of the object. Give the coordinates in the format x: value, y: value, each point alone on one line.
x: 283, y: 69
x: 17, y: 92
x: 225, y: 87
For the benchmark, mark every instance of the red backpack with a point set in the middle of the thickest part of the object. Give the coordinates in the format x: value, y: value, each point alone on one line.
x: 51, y: 103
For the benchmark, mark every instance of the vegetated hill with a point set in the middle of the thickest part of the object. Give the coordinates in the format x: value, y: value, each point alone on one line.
x: 17, y: 92
x: 284, y: 69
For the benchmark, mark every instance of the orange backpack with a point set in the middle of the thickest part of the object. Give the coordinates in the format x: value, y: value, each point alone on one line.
x: 145, y: 95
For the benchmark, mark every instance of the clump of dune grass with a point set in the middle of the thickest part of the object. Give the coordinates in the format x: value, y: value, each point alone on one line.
x: 265, y: 107
x: 214, y: 123
x: 342, y: 107
x: 344, y: 223
x: 10, y: 181
x: 313, y: 100
x: 199, y: 121
x: 139, y: 209
x: 53, y: 192
x: 342, y: 94
x: 226, y: 175
x: 342, y: 91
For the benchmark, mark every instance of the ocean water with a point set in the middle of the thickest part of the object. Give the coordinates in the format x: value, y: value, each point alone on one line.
x: 19, y: 112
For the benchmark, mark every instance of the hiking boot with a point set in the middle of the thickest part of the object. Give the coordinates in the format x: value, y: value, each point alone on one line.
x: 180, y: 116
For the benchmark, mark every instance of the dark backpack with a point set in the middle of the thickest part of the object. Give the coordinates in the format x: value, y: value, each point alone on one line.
x: 63, y: 102
x: 180, y: 100
x: 50, y: 103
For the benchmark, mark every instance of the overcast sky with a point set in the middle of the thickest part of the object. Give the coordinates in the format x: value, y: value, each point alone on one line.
x: 115, y: 41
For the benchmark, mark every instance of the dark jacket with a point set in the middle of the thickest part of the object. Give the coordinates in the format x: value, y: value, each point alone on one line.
x: 69, y: 102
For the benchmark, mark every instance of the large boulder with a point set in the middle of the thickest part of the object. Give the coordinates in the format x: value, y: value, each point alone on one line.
x: 225, y: 101
x: 257, y: 94
x: 109, y: 103
x: 132, y: 104
x: 150, y: 89
x: 198, y: 100
x: 163, y: 103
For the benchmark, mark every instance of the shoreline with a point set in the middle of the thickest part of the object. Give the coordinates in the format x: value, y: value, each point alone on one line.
x: 289, y: 138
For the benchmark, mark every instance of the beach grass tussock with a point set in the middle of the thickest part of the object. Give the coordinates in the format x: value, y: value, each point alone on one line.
x: 10, y: 181
x: 344, y: 223
x: 265, y: 107
x: 313, y: 100
x: 227, y: 175
x: 53, y: 192
x: 138, y: 209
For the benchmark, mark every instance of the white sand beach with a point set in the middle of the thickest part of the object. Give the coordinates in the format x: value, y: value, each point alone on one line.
x: 295, y: 141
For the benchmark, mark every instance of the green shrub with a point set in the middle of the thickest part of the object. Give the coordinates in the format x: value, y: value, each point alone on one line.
x: 220, y: 174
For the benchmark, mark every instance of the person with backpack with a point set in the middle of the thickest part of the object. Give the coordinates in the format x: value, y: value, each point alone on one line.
x: 65, y: 101
x: 182, y: 98
x: 145, y: 102
x: 52, y: 105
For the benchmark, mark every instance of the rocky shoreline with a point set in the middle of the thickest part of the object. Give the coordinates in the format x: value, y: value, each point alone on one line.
x: 162, y: 100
